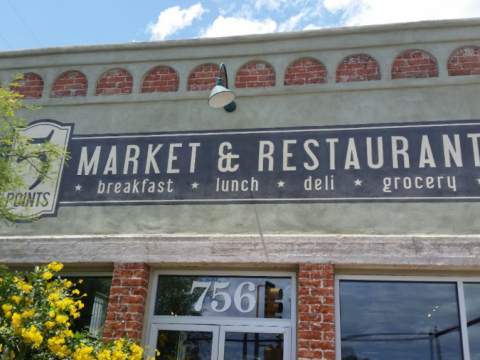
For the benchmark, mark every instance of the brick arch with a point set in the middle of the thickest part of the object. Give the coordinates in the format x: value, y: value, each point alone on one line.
x: 304, y: 72
x: 255, y: 74
x: 204, y: 77
x: 115, y: 82
x: 31, y: 86
x: 464, y: 61
x: 160, y: 79
x: 414, y: 64
x: 69, y: 84
x: 360, y: 67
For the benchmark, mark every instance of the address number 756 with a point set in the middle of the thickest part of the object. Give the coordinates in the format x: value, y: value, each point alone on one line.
x: 237, y: 298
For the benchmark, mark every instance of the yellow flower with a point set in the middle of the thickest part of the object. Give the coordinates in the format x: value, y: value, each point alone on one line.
x: 7, y: 307
x: 47, y: 276
x: 61, y: 319
x: 52, y: 314
x: 1, y: 348
x: 32, y: 335
x: 16, y: 320
x: 76, y: 292
x: 55, y: 266
x: 28, y: 314
x: 49, y: 325
x: 16, y: 298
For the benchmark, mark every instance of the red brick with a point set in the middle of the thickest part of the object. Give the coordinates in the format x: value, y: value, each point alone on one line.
x: 303, y: 308
x: 320, y: 327
x: 122, y: 274
x: 304, y: 274
x: 310, y: 335
x: 308, y: 317
x: 322, y: 309
x: 136, y: 309
x: 304, y: 325
x: 133, y: 325
x: 309, y: 354
x: 157, y: 80
x: 328, y: 318
x: 323, y: 345
x: 114, y: 325
x: 139, y: 291
x: 61, y: 87
x: 358, y: 68
x: 120, y: 291
x: 115, y: 82
x: 303, y: 344
x: 256, y: 74
x: 134, y: 282
x: 321, y: 292
x: 128, y: 316
x: 329, y: 335
x: 329, y: 355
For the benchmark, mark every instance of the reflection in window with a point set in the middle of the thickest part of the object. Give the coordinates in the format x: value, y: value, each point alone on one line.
x: 184, y: 345
x: 253, y: 346
x: 210, y: 296
x: 92, y: 316
x: 399, y: 320
x: 472, y: 305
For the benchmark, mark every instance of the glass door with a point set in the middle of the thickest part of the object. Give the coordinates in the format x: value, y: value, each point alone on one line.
x: 254, y: 343
x: 213, y: 342
x: 184, y: 342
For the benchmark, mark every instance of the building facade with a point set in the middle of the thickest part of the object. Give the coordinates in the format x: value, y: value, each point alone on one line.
x: 332, y: 215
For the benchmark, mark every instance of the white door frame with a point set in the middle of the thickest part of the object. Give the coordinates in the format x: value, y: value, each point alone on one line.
x: 183, y: 327
x: 256, y: 329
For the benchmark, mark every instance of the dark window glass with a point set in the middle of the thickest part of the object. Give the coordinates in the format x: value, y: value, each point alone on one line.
x: 472, y: 304
x: 399, y: 321
x: 257, y: 346
x: 92, y: 316
x: 224, y: 296
x: 184, y: 345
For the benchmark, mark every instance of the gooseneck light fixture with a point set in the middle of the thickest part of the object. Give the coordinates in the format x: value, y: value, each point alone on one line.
x: 220, y: 95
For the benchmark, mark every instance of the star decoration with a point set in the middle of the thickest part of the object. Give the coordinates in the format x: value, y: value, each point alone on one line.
x: 281, y: 183
x: 78, y: 187
x: 195, y: 185
x: 358, y: 182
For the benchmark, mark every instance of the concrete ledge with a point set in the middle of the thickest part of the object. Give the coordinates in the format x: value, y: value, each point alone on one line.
x: 460, y: 252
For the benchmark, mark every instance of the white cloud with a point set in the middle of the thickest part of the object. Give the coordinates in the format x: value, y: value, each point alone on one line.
x: 311, y: 27
x: 231, y: 26
x: 365, y: 12
x: 269, y: 4
x: 291, y: 23
x: 173, y: 19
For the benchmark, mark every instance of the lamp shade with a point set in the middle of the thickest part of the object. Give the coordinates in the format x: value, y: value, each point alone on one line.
x: 220, y: 97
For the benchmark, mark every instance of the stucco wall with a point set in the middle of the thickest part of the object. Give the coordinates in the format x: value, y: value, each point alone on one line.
x: 366, y: 102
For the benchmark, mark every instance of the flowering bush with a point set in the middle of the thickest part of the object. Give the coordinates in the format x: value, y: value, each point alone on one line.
x: 36, y: 311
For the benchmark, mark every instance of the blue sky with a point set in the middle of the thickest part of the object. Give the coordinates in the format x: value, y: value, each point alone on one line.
x: 32, y: 23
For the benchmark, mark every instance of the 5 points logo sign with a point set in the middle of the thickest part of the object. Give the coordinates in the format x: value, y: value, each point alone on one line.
x: 40, y: 196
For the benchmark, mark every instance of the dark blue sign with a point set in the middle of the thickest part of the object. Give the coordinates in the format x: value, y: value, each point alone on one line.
x: 434, y: 161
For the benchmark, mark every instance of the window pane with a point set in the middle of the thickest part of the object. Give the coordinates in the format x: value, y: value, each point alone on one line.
x: 256, y: 346
x: 184, y: 345
x: 224, y: 296
x: 472, y: 304
x: 92, y: 316
x: 399, y: 320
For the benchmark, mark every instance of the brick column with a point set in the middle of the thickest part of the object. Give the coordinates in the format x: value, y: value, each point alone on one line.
x: 126, y: 305
x: 316, y: 328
